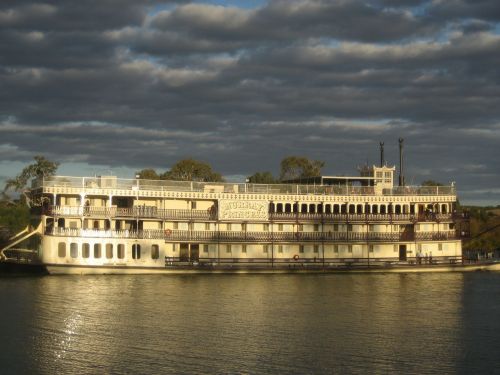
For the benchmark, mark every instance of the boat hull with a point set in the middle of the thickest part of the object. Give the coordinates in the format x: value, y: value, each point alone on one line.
x: 56, y: 269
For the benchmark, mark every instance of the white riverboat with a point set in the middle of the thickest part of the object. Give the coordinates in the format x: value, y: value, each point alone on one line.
x: 110, y: 225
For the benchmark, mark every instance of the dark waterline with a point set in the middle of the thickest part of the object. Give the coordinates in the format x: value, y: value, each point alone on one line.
x: 258, y: 324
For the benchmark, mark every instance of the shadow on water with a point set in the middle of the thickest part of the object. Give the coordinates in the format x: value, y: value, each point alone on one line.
x: 354, y: 323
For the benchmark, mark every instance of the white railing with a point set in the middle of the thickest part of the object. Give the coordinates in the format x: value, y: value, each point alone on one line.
x: 234, y: 188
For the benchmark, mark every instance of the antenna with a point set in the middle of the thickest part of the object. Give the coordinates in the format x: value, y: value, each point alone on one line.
x: 382, y: 161
x: 401, y: 173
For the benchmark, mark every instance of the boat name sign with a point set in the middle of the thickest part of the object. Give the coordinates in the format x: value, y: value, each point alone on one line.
x: 243, y: 210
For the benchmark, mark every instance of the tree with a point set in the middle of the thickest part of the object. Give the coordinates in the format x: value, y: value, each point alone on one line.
x: 41, y: 168
x: 293, y: 167
x: 14, y: 216
x: 262, y: 178
x: 431, y: 183
x: 192, y: 170
x: 148, y: 174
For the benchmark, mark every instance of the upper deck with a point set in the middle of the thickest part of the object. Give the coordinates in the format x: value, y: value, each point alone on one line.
x: 131, y: 187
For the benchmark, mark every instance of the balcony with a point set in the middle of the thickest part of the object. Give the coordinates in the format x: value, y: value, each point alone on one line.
x: 137, y: 185
x: 148, y: 212
x: 229, y: 236
x: 364, y: 218
x: 132, y: 212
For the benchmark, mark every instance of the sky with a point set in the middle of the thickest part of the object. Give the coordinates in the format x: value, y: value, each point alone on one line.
x: 107, y: 86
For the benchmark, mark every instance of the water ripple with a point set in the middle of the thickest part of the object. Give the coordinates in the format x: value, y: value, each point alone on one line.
x: 255, y: 324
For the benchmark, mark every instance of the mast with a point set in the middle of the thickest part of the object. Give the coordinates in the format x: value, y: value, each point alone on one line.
x: 382, y: 161
x: 401, y: 172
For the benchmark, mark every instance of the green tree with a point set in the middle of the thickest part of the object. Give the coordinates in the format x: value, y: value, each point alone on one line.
x: 14, y: 216
x: 431, y: 183
x: 262, y: 178
x: 42, y: 167
x: 293, y: 167
x: 148, y: 174
x: 192, y: 170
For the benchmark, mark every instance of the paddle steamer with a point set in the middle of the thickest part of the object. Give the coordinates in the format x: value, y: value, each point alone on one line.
x: 110, y: 225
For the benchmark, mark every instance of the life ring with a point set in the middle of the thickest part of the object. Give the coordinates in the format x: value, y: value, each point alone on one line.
x: 168, y: 232
x: 295, y: 257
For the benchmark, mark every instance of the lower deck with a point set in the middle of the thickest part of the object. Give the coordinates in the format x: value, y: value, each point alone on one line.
x: 161, y: 254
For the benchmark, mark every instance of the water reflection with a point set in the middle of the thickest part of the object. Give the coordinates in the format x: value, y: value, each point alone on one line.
x: 249, y: 324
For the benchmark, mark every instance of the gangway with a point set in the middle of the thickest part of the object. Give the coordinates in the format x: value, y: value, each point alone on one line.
x: 20, y: 237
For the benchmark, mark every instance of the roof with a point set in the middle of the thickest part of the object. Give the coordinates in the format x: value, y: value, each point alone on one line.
x: 329, y: 180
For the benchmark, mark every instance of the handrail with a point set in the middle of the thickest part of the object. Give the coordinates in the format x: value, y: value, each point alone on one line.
x: 244, y: 236
x: 37, y: 230
x: 137, y: 211
x: 186, y: 214
x: 111, y: 182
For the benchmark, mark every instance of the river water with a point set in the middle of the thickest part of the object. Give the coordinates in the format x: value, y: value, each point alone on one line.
x: 252, y: 324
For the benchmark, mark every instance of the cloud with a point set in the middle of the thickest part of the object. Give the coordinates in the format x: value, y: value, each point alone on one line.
x: 147, y: 83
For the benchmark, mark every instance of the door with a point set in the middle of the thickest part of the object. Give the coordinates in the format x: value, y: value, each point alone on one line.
x: 195, y: 253
x: 184, y: 252
x: 402, y: 252
x: 407, y: 232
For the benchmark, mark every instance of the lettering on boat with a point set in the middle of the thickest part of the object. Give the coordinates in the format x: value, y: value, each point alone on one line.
x: 247, y: 210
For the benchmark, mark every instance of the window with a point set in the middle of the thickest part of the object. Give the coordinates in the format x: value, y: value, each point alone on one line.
x: 440, y: 247
x: 336, y: 249
x: 370, y: 248
x: 136, y: 251
x: 349, y: 227
x: 266, y: 227
x: 228, y: 249
x: 207, y: 226
x: 371, y: 228
x: 73, y: 250
x: 244, y: 248
x: 316, y: 227
x: 335, y: 227
x: 280, y: 249
x: 61, y: 249
x: 265, y: 249
x: 175, y: 225
x: 316, y: 249
x: 85, y: 250
x: 301, y: 249
x: 155, y: 252
x: 193, y: 205
x: 205, y: 248
x: 97, y: 250
x: 121, y: 251
x: 300, y: 227
x: 280, y: 227
x: 349, y: 248
x: 243, y: 227
x: 228, y: 226
x: 109, y: 251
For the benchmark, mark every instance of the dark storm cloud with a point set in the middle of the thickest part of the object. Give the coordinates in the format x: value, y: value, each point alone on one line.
x: 62, y: 15
x: 143, y: 84
x: 288, y: 20
x: 487, y: 10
